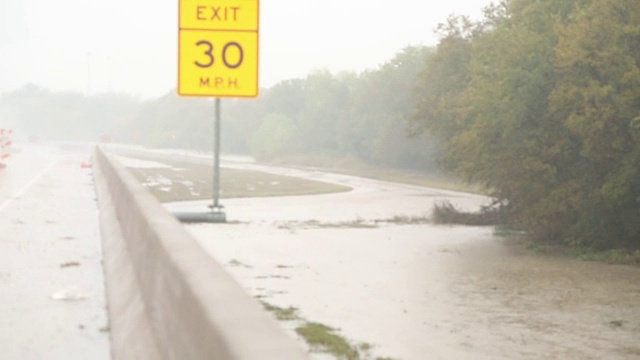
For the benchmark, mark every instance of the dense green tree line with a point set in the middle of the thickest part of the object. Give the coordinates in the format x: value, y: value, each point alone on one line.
x: 540, y: 101
x: 345, y: 115
x: 324, y: 116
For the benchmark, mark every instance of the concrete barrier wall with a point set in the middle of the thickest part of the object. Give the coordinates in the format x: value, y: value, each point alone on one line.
x: 167, y: 298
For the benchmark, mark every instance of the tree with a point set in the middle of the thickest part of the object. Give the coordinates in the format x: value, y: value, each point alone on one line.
x: 381, y: 103
x: 275, y: 137
x: 598, y: 100
x: 537, y: 101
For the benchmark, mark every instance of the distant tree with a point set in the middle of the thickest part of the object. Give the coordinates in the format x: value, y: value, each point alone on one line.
x: 276, y: 137
x: 326, y: 104
x: 68, y: 115
x: 381, y: 103
x: 240, y: 119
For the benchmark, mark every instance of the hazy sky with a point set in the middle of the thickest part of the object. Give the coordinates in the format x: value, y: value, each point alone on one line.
x: 130, y: 46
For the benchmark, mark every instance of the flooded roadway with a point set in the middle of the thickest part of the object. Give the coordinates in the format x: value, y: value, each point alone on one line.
x: 420, y: 291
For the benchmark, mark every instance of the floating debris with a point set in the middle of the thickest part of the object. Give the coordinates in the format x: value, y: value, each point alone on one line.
x: 616, y: 323
x: 69, y: 264
x: 69, y: 294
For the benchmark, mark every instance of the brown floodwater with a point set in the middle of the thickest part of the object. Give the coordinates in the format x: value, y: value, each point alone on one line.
x: 532, y: 306
x: 420, y: 291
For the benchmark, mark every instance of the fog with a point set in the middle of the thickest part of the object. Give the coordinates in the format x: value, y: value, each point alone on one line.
x: 131, y: 46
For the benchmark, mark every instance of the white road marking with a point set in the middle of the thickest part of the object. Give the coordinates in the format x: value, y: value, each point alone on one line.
x: 30, y: 183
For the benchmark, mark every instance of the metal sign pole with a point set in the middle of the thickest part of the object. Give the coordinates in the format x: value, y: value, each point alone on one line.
x: 216, y: 215
x: 216, y: 160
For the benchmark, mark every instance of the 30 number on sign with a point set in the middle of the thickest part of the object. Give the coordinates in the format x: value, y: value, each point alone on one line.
x: 233, y: 47
x: 218, y: 63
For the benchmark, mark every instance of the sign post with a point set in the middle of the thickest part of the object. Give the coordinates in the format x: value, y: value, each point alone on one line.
x: 217, y: 57
x: 216, y: 207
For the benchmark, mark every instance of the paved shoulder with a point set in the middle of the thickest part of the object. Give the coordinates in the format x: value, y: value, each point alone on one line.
x: 51, y: 280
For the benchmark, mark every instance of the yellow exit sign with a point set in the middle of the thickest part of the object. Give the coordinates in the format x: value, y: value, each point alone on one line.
x: 218, y: 48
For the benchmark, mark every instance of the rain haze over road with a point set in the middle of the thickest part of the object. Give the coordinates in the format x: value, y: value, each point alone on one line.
x: 368, y: 262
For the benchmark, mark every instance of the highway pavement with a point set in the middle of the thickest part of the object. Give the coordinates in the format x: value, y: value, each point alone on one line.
x: 51, y: 280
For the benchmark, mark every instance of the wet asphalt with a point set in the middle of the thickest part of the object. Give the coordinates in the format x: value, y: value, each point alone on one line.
x: 51, y: 279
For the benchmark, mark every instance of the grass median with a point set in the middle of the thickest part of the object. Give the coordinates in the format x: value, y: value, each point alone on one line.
x: 184, y: 181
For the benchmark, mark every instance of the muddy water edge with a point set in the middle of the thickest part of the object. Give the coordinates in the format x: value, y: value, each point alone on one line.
x: 519, y: 304
x: 419, y: 291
